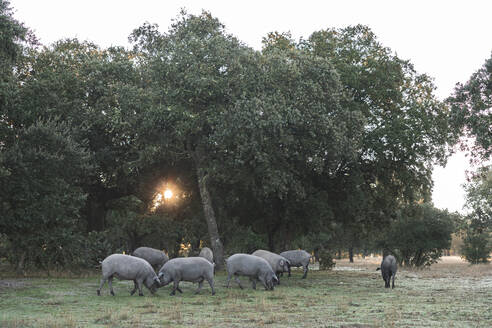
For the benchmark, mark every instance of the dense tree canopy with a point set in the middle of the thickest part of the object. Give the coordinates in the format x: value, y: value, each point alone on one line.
x: 419, y: 235
x: 479, y: 198
x: 471, y: 106
x: 405, y: 130
x: 41, y: 195
x: 315, y: 144
x: 478, y: 223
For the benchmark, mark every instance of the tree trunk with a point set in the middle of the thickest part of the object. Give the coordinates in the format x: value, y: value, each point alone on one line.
x: 20, y: 264
x: 209, y: 213
x: 95, y: 212
x: 271, y: 243
x: 351, y: 255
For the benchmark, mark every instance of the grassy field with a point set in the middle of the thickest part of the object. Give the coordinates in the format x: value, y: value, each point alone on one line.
x: 449, y: 294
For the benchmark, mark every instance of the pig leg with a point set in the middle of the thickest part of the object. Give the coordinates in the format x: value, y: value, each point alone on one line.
x: 200, y: 285
x: 229, y: 276
x: 110, y: 283
x: 103, y: 280
x: 305, y: 271
x: 263, y: 281
x: 134, y: 287
x: 238, y: 282
x: 211, y: 283
x: 139, y: 285
x: 253, y: 283
x: 175, y: 287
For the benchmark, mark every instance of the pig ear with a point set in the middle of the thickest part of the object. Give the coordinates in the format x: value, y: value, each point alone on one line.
x: 281, y: 263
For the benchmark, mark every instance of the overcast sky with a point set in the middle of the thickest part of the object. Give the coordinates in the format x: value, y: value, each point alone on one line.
x: 448, y: 40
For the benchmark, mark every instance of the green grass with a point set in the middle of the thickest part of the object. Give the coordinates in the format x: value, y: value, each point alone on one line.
x: 440, y: 297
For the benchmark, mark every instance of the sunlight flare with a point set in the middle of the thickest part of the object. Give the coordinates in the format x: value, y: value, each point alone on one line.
x: 168, y: 193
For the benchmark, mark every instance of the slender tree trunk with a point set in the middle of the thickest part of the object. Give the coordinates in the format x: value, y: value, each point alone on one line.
x: 351, y: 255
x: 209, y: 213
x: 276, y: 225
x: 20, y: 264
x: 271, y: 243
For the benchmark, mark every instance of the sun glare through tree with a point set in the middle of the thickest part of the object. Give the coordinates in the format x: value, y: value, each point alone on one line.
x: 165, y: 195
x: 168, y: 193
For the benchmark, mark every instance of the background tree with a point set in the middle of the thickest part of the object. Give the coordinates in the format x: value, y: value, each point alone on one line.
x: 478, y: 226
x: 314, y: 144
x: 419, y: 235
x: 97, y: 94
x: 471, y: 105
x: 42, y: 195
x: 404, y: 135
x: 290, y: 132
x: 13, y: 36
x: 195, y: 71
x: 259, y: 124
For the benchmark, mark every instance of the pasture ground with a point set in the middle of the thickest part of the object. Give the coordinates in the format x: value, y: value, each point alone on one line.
x: 449, y: 294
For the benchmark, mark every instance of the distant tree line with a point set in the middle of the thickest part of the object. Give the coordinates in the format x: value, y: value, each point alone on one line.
x: 327, y: 143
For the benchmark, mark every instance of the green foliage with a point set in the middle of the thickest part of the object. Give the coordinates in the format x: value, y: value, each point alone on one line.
x: 477, y: 247
x: 130, y: 224
x: 477, y: 243
x: 13, y: 32
x: 13, y: 36
x: 41, y: 195
x: 96, y: 247
x: 276, y: 40
x: 325, y: 257
x: 471, y: 105
x: 241, y: 239
x: 479, y: 200
x: 419, y: 235
x: 96, y: 93
x: 304, y: 144
x: 405, y: 130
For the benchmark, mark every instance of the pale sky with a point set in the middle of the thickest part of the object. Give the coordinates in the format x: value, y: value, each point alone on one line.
x: 448, y: 40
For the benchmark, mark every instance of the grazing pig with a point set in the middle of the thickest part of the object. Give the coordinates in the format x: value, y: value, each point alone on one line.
x: 207, y: 254
x: 155, y: 257
x: 193, y: 269
x: 297, y: 258
x: 254, y: 267
x: 388, y: 270
x: 278, y: 263
x: 126, y: 267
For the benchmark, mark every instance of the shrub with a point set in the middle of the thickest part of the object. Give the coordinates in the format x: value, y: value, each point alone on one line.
x: 243, y: 240
x: 476, y: 247
x: 96, y: 248
x: 419, y: 235
x: 325, y: 259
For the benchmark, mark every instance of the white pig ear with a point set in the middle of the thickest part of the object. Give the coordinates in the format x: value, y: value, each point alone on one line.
x: 281, y: 262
